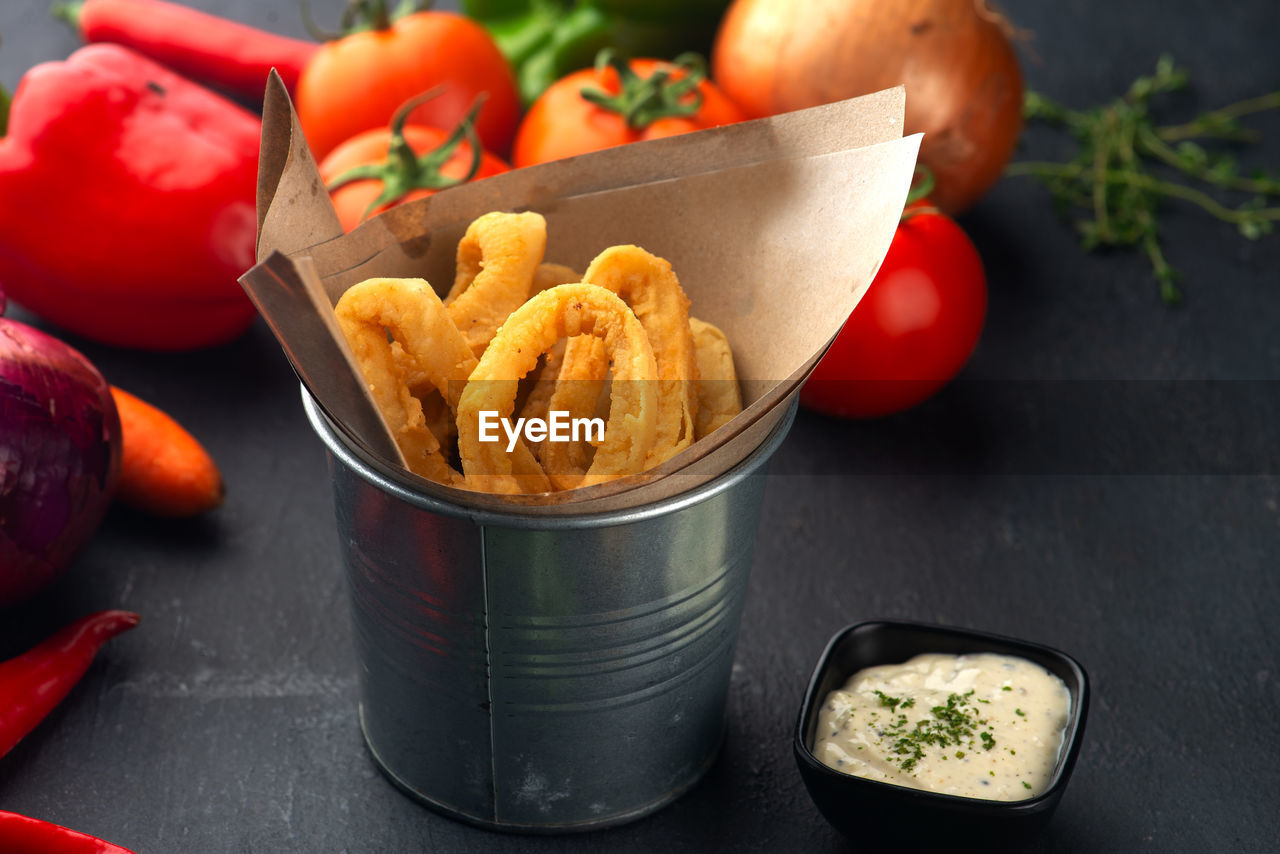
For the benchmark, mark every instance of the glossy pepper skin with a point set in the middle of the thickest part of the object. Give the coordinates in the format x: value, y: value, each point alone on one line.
x: 20, y: 834
x: 127, y: 202
x: 32, y: 684
x: 546, y: 39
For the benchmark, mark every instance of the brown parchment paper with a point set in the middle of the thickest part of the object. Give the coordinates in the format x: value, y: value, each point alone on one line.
x: 775, y: 228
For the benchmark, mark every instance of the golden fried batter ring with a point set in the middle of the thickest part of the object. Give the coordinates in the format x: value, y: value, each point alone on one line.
x: 578, y: 385
x: 438, y: 415
x: 548, y: 275
x: 560, y: 312
x: 497, y: 259
x: 426, y: 344
x: 647, y: 283
x: 537, y: 402
x: 719, y: 398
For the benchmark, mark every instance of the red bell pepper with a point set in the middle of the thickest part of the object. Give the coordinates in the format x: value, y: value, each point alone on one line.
x: 32, y: 684
x: 20, y: 834
x: 127, y: 201
x: 227, y: 55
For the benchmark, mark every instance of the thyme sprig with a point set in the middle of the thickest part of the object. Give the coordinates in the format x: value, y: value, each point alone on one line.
x: 1127, y: 165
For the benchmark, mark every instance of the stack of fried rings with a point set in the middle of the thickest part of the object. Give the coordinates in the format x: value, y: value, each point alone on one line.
x: 433, y: 366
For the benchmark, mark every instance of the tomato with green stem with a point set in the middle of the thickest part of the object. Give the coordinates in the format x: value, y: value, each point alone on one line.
x: 915, y: 327
x: 618, y: 102
x: 383, y: 167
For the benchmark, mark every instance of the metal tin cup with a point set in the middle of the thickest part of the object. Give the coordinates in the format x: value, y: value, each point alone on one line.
x: 544, y: 673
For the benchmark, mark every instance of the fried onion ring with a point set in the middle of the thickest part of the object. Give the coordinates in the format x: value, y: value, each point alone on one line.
x: 426, y: 344
x: 497, y: 259
x: 719, y: 398
x: 648, y: 284
x: 548, y: 275
x: 538, y: 401
x: 564, y: 311
x: 578, y: 385
x: 438, y: 415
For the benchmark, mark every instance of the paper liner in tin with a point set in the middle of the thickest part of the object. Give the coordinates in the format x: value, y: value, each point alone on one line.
x: 775, y: 228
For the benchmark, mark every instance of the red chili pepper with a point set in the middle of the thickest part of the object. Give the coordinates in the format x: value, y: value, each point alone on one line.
x: 20, y: 834
x: 127, y: 201
x: 227, y: 55
x: 32, y: 684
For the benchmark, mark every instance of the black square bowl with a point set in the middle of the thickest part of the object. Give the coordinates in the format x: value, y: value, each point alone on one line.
x: 879, y: 813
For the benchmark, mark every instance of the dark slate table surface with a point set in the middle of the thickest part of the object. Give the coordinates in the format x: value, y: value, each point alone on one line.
x: 1104, y: 479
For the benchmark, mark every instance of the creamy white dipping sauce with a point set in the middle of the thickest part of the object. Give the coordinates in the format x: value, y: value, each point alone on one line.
x: 982, y: 726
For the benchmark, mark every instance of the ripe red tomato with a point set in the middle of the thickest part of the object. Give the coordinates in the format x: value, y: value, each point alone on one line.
x: 562, y: 123
x: 353, y: 199
x: 914, y: 328
x: 357, y: 82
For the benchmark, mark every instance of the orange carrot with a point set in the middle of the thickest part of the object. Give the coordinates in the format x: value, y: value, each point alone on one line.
x: 163, y: 470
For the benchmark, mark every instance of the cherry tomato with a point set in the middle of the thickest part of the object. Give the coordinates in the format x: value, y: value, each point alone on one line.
x: 357, y: 82
x: 562, y: 123
x: 913, y: 330
x: 352, y: 200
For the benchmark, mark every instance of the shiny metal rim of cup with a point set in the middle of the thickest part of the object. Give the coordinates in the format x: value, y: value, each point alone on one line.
x: 388, y: 479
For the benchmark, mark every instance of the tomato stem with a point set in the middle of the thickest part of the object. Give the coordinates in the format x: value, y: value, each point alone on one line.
x: 922, y: 184
x: 362, y: 16
x: 641, y: 102
x: 68, y: 13
x: 405, y: 170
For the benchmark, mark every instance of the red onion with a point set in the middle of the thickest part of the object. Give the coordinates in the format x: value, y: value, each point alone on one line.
x: 59, y: 456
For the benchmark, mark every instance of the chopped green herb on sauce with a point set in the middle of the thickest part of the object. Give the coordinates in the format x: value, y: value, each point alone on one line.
x: 895, y: 702
x: 954, y: 723
x: 886, y: 700
x: 943, y: 708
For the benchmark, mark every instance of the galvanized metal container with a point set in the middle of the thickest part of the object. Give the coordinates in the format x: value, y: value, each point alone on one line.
x: 544, y: 674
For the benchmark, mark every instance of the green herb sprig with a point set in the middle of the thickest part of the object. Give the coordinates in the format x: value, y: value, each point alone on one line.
x: 1127, y: 166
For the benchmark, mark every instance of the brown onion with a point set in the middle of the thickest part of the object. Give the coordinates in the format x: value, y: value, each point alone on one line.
x: 964, y: 86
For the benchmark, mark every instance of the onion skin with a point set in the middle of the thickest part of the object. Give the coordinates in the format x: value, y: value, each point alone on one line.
x: 59, y: 457
x: 964, y: 85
